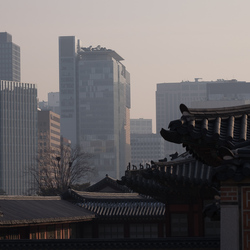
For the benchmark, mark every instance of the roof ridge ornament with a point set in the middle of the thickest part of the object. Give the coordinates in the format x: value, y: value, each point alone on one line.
x: 184, y: 110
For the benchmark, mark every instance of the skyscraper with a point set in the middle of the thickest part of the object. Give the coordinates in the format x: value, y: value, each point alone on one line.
x: 95, y: 103
x: 53, y: 102
x: 18, y: 137
x: 140, y: 126
x: 48, y: 131
x: 9, y: 58
x: 145, y: 146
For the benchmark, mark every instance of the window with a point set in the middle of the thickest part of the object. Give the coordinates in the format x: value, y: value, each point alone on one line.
x: 58, y: 234
x: 87, y: 231
x: 50, y: 232
x: 179, y: 225
x: 65, y: 231
x: 33, y: 235
x: 59, y: 231
x: 14, y: 235
x: 144, y: 230
x: 42, y: 235
x: 212, y: 228
x: 111, y: 231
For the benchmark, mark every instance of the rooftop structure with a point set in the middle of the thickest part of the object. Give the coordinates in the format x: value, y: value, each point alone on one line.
x: 99, y: 51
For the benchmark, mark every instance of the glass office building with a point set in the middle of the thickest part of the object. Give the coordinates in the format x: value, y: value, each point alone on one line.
x: 18, y: 140
x: 95, y: 104
x: 9, y: 59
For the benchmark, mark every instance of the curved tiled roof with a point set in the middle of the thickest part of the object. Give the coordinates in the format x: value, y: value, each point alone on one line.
x: 217, y: 137
x: 119, y: 205
x: 204, y: 131
x: 108, y: 181
x: 125, y: 209
x: 21, y: 210
x: 106, y: 196
x: 165, y: 180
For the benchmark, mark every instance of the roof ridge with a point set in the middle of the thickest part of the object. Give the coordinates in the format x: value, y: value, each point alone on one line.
x: 224, y: 111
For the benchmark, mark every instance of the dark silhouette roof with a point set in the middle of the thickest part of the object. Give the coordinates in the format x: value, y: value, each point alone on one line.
x: 108, y: 184
x: 119, y: 205
x: 166, y: 180
x: 21, y: 210
x: 124, y: 209
x: 202, y: 131
x: 216, y: 137
x: 105, y: 196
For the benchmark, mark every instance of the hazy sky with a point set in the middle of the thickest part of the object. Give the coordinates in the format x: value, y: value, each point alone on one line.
x: 160, y: 40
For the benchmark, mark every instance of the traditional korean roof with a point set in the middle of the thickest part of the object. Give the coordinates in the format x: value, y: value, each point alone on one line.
x: 216, y: 137
x: 166, y: 180
x: 119, y: 205
x: 125, y: 209
x: 23, y: 210
x: 83, y: 195
x: 108, y: 184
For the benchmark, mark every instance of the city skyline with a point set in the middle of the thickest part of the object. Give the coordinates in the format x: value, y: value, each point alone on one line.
x: 167, y: 41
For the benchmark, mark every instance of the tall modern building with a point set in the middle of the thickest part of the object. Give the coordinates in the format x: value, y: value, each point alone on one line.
x: 95, y: 103
x: 18, y: 140
x: 9, y: 59
x: 145, y: 146
x: 48, y: 131
x: 206, y: 94
x: 141, y: 126
x: 53, y: 102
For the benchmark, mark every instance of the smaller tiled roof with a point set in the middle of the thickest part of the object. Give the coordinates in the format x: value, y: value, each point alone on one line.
x: 125, y: 209
x: 23, y: 210
x: 119, y: 205
x: 83, y: 195
x: 108, y: 181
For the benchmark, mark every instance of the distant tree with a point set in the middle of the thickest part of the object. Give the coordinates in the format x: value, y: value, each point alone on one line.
x: 57, y: 172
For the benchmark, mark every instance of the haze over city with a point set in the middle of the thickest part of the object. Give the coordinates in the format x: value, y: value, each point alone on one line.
x: 160, y: 41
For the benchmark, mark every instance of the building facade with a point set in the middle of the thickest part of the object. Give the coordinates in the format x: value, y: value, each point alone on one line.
x: 140, y: 126
x: 48, y: 130
x: 95, y: 103
x: 18, y: 140
x: 145, y: 148
x: 54, y: 102
x: 9, y: 59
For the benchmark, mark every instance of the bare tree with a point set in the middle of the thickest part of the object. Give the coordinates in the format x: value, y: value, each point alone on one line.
x: 57, y: 172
